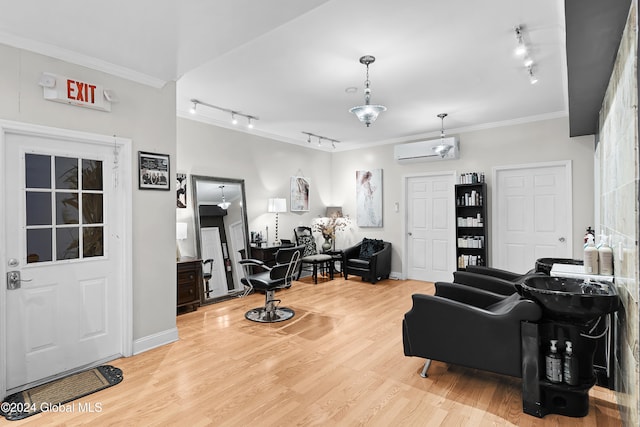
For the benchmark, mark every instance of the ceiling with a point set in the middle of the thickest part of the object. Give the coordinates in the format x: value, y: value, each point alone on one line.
x: 289, y: 62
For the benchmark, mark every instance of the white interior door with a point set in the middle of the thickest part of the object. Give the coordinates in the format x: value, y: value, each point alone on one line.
x: 532, y: 214
x: 212, y: 249
x: 430, y: 227
x: 64, y: 237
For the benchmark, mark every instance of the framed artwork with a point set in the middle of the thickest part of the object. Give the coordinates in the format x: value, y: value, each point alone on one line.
x: 153, y: 171
x: 181, y: 190
x: 369, y: 198
x: 299, y: 194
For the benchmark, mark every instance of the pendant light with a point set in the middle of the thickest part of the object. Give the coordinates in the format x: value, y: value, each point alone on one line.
x: 442, y: 149
x: 367, y: 113
x: 224, y: 204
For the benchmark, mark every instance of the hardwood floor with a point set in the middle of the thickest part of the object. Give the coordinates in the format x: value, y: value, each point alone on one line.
x: 339, y: 361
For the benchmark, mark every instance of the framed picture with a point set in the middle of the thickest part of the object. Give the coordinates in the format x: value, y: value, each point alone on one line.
x: 181, y: 190
x: 369, y: 198
x: 153, y: 171
x: 299, y: 194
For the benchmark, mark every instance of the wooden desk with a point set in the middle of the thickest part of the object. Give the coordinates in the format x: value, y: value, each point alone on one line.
x: 189, y: 281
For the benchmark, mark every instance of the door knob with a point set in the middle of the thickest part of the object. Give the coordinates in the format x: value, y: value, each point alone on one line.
x: 13, y: 280
x: 410, y: 234
x: 562, y: 239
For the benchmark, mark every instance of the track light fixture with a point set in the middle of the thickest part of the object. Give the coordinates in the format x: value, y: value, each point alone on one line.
x: 367, y: 113
x: 320, y: 139
x: 522, y: 50
x: 233, y: 113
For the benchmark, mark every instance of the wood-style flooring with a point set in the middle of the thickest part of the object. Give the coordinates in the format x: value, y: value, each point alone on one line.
x: 338, y: 362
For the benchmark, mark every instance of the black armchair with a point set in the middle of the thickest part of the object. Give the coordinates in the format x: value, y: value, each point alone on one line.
x: 369, y: 259
x: 468, y: 327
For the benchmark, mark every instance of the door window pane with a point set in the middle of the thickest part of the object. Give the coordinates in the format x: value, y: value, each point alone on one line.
x: 93, y: 241
x: 91, y: 174
x: 37, y: 171
x: 38, y: 208
x: 92, y: 208
x: 39, y: 245
x: 67, y: 244
x: 67, y: 208
x: 66, y: 173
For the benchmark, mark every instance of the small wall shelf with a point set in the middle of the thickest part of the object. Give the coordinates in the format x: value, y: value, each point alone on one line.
x: 471, y: 224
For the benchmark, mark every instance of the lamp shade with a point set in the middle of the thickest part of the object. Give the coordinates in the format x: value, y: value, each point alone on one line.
x: 277, y: 205
x: 181, y: 231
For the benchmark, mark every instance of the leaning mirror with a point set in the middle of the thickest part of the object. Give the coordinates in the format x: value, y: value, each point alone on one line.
x: 221, y: 234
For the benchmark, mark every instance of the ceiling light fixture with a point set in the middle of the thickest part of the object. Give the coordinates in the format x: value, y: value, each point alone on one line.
x: 233, y: 113
x: 320, y: 139
x: 442, y: 149
x: 367, y: 113
x: 224, y: 204
x: 532, y: 77
x: 521, y: 48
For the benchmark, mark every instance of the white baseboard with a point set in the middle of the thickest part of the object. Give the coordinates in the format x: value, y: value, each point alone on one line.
x: 394, y: 275
x: 156, y: 340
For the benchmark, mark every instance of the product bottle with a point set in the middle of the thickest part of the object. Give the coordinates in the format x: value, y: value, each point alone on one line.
x: 590, y: 257
x: 605, y: 257
x: 570, y: 365
x: 554, y: 364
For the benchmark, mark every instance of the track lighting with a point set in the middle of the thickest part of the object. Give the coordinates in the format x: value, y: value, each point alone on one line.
x: 233, y: 113
x: 523, y: 51
x: 532, y: 78
x: 320, y: 139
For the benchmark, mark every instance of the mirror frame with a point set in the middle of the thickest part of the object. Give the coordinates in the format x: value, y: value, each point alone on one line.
x: 195, y: 179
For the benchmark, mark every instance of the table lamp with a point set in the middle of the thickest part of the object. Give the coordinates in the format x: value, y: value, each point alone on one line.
x: 276, y: 206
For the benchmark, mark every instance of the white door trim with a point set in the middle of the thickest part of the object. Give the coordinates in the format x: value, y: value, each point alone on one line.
x: 494, y: 199
x: 404, y: 216
x: 124, y: 145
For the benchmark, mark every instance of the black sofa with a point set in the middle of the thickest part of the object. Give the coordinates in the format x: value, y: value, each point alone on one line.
x: 369, y: 259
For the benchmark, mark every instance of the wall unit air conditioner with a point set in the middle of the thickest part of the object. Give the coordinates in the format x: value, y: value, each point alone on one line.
x: 423, y: 151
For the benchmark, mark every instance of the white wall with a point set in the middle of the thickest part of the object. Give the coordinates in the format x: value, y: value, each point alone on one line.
x: 266, y: 166
x: 480, y: 151
x: 145, y: 115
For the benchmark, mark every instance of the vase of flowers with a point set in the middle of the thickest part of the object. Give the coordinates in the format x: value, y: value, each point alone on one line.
x: 328, y: 227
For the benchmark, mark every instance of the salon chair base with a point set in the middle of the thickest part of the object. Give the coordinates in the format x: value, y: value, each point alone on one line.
x: 270, y: 313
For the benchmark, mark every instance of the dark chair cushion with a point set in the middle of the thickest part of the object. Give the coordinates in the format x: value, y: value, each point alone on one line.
x: 370, y: 247
x: 309, y: 245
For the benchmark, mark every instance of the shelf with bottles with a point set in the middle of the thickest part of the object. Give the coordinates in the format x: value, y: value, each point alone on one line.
x: 471, y: 221
x: 465, y: 260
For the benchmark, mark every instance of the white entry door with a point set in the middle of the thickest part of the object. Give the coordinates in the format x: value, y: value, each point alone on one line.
x: 65, y: 238
x: 532, y: 215
x: 430, y: 227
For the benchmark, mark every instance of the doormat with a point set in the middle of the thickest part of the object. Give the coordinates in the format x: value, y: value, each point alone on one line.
x: 51, y: 396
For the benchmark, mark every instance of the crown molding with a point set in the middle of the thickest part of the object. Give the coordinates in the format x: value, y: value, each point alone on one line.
x: 79, y: 59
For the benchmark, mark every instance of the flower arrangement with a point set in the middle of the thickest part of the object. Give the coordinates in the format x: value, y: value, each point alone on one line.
x: 329, y: 226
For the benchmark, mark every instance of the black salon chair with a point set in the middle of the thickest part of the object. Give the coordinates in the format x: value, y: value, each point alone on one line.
x: 270, y: 279
x: 491, y: 279
x: 310, y: 256
x: 468, y: 327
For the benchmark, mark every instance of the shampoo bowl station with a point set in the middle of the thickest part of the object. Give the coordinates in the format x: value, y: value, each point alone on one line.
x: 568, y: 310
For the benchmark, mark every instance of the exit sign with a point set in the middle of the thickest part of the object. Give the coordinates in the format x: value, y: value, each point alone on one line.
x: 73, y: 91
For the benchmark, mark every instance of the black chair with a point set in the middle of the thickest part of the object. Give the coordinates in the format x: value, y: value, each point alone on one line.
x: 468, y: 327
x: 310, y: 256
x: 206, y: 276
x: 491, y: 279
x: 369, y: 259
x: 269, y: 280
